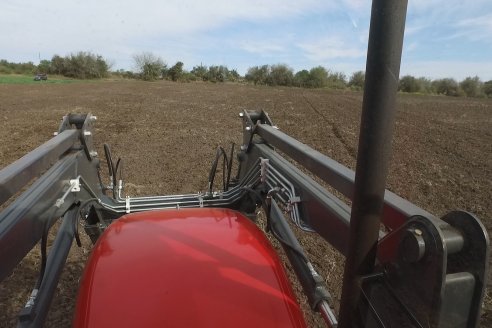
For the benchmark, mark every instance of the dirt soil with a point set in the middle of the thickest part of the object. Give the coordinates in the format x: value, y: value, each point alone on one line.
x: 167, y: 134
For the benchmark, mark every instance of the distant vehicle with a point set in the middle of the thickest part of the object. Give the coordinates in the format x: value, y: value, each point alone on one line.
x: 41, y: 77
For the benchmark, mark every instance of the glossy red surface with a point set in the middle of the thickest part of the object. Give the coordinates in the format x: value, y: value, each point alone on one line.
x: 185, y: 268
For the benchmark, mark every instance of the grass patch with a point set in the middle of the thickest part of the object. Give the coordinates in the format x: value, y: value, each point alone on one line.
x: 28, y: 79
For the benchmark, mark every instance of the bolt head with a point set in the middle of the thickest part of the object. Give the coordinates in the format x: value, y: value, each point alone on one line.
x: 93, y: 153
x: 93, y: 118
x: 241, y: 114
x: 248, y: 128
x: 55, y: 133
x: 87, y: 133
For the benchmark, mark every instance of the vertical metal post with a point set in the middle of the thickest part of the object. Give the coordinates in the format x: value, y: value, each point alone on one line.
x: 378, y: 111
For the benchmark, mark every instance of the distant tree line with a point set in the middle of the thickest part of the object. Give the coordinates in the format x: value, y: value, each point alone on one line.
x: 149, y: 67
x: 7, y: 67
x: 469, y: 87
x: 80, y: 65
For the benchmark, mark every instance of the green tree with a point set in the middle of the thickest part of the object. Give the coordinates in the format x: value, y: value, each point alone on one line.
x: 258, y: 74
x: 57, y: 65
x: 318, y: 77
x: 487, y: 88
x: 472, y: 86
x: 357, y: 80
x: 234, y: 76
x: 409, y: 83
x: 448, y: 87
x: 280, y: 75
x: 176, y: 72
x: 217, y: 73
x: 336, y: 80
x: 200, y: 72
x: 301, y: 78
x: 44, y: 66
x: 425, y: 85
x: 148, y: 66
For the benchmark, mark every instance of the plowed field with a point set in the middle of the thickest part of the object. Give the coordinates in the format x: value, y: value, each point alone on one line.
x: 167, y: 134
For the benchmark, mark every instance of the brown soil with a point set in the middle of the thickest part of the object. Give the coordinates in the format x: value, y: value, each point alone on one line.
x: 167, y: 134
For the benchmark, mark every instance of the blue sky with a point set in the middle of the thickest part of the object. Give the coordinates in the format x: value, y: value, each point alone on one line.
x: 443, y: 38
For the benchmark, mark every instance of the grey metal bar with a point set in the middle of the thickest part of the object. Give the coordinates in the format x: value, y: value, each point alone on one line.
x: 321, y: 210
x: 22, y: 223
x: 18, y: 174
x: 378, y: 108
x: 396, y: 209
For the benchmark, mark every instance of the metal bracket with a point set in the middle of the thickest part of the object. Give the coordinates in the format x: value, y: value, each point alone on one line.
x: 74, y: 186
x: 293, y: 200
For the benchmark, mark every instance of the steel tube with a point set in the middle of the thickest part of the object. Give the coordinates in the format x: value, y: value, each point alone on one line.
x: 378, y: 112
x: 18, y: 174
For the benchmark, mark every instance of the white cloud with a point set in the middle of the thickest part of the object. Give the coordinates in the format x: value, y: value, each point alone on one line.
x: 331, y: 48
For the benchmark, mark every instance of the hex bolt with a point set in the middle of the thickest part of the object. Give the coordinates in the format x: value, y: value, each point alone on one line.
x: 248, y: 128
x: 87, y: 133
x: 55, y: 133
x: 243, y: 147
x: 241, y: 114
x: 93, y: 153
x: 93, y: 118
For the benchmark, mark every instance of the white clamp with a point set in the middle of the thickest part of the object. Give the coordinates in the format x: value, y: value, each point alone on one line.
x: 127, y: 204
x: 75, y: 184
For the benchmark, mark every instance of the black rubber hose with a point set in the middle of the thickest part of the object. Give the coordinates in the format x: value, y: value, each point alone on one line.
x: 44, y: 246
x: 109, y: 160
x: 211, y: 177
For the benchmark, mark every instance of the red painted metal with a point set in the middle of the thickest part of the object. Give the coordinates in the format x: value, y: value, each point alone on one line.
x: 185, y: 268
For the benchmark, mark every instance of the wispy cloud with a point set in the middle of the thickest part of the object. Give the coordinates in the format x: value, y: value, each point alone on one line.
x: 477, y: 28
x: 330, y: 48
x: 264, y: 48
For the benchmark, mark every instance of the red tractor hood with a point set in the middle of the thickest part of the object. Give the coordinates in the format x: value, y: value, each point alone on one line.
x: 185, y: 268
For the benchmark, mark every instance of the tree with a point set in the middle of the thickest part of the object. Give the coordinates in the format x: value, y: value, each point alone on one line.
x: 448, y: 87
x: 57, y: 65
x: 44, y: 66
x: 257, y: 74
x: 234, y: 75
x: 200, y: 72
x: 301, y: 79
x: 425, y: 85
x: 408, y: 83
x: 472, y: 86
x: 217, y: 73
x: 357, y: 80
x: 487, y: 88
x: 176, y: 71
x: 280, y: 75
x: 149, y: 66
x: 336, y: 80
x: 318, y: 77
